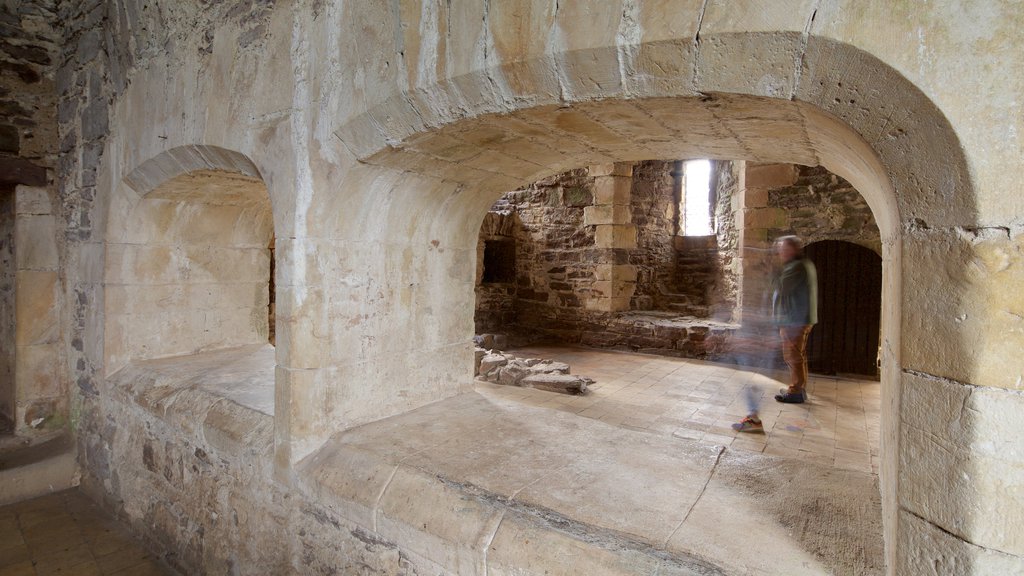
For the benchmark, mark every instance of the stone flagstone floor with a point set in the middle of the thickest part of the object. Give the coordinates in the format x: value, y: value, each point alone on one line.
x: 698, y: 400
x: 66, y: 533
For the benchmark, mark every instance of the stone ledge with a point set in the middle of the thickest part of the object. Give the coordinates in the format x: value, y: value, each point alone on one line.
x: 478, y: 484
x: 221, y: 397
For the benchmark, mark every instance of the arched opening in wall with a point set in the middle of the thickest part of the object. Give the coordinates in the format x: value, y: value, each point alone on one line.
x: 844, y: 109
x: 846, y: 339
x: 189, y: 289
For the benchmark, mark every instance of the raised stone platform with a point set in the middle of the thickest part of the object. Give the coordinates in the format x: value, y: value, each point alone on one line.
x: 476, y: 484
x: 243, y: 375
x: 479, y: 484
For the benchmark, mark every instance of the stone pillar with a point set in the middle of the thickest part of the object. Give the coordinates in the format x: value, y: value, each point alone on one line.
x: 614, y: 237
x: 41, y: 399
x: 757, y: 221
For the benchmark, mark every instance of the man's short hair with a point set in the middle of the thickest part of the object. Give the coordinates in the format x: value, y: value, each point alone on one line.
x: 792, y: 241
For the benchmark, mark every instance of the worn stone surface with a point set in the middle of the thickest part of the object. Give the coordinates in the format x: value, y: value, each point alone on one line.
x: 526, y: 487
x: 563, y: 383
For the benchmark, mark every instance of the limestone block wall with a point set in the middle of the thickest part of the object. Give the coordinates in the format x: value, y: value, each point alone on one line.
x: 385, y: 131
x: 558, y: 259
x: 40, y: 385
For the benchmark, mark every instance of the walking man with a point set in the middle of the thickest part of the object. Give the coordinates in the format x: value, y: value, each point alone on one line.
x: 795, y: 312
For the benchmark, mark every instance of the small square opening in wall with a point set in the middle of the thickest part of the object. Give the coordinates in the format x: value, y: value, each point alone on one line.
x: 499, y: 261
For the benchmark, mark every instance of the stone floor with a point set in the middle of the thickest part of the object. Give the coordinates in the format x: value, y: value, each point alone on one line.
x: 501, y: 482
x: 697, y: 400
x: 66, y: 533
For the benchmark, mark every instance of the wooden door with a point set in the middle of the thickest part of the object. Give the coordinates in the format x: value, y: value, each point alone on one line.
x: 849, y: 309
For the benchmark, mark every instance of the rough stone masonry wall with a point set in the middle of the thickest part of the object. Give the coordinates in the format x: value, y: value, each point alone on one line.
x: 555, y: 253
x: 654, y: 206
x: 822, y: 206
x: 29, y: 44
x: 725, y: 297
x: 556, y: 260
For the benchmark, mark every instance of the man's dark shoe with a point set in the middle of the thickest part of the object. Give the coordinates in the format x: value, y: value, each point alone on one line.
x: 791, y: 398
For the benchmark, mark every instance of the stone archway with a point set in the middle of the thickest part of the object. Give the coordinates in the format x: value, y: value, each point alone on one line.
x: 435, y: 169
x: 187, y: 279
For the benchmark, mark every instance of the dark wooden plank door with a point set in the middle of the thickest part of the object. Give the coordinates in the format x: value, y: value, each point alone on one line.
x: 849, y: 309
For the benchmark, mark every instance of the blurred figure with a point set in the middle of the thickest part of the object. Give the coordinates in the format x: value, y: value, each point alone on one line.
x: 795, y: 312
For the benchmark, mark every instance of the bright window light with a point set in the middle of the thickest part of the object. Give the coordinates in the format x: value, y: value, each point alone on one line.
x: 696, y: 206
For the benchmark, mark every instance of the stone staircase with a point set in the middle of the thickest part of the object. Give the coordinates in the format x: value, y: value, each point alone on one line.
x: 695, y: 274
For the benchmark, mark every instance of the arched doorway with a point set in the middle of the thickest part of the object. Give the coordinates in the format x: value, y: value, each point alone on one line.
x: 846, y: 339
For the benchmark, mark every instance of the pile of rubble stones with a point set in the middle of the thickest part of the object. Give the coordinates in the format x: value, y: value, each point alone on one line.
x: 500, y: 367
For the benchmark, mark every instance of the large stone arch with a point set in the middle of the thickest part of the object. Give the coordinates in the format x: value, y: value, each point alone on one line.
x: 430, y: 161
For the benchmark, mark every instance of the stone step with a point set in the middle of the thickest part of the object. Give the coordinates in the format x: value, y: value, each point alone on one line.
x: 31, y: 471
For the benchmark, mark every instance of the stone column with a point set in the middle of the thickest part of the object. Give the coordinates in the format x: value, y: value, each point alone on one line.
x: 758, y: 221
x: 41, y: 398
x: 614, y: 237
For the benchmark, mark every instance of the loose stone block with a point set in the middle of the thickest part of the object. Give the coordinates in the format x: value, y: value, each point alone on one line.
x: 562, y: 383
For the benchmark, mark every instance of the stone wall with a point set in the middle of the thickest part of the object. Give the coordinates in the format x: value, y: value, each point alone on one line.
x: 558, y: 264
x: 42, y: 392
x: 725, y: 297
x: 495, y: 301
x: 684, y: 282
x: 29, y: 47
x: 557, y: 258
x: 654, y: 206
x: 555, y: 263
x: 819, y: 205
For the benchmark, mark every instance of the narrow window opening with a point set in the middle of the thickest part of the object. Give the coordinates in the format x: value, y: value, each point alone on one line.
x: 499, y: 261
x: 696, y: 199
